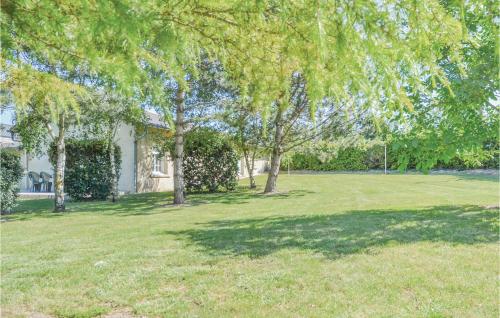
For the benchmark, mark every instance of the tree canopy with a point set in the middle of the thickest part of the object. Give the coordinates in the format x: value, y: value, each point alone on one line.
x: 394, y: 58
x: 343, y: 49
x: 462, y: 118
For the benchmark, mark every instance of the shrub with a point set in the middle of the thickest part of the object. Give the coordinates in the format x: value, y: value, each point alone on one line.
x: 366, y: 155
x: 485, y: 158
x: 210, y: 163
x: 303, y: 161
x: 375, y: 157
x: 350, y: 158
x: 11, y: 173
x: 87, y: 173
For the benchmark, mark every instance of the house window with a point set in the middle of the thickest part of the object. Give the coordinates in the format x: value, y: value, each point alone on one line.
x: 158, y: 166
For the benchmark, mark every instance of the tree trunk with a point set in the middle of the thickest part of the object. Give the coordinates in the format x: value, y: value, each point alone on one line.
x: 252, y: 178
x: 250, y: 165
x: 114, y: 177
x: 272, y: 177
x: 59, y: 205
x: 179, y: 148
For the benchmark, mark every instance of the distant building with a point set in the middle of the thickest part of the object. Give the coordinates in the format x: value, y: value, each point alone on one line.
x: 143, y: 169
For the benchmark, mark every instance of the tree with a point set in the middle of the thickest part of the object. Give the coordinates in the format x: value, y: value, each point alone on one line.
x: 46, y: 46
x: 374, y: 52
x: 103, y: 116
x: 43, y: 116
x: 179, y: 187
x: 377, y: 52
x: 246, y: 129
x: 192, y: 100
x: 302, y: 122
x: 118, y: 41
x: 463, y: 118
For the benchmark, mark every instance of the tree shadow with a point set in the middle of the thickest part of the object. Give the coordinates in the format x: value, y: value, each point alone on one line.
x: 478, y: 177
x: 351, y: 232
x: 242, y: 195
x: 141, y: 204
x: 136, y: 204
x: 481, y: 175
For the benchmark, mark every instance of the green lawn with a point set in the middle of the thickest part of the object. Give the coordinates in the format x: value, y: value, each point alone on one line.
x: 343, y: 245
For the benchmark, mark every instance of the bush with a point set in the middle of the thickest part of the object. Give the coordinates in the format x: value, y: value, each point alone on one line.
x: 210, y: 163
x: 349, y: 158
x: 331, y: 157
x: 11, y: 173
x: 485, y: 158
x: 375, y: 157
x: 87, y: 174
x: 302, y: 161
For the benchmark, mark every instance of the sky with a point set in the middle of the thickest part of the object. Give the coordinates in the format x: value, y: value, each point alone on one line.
x: 6, y: 116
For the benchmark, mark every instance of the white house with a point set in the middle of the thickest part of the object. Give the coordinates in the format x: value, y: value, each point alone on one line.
x: 142, y: 168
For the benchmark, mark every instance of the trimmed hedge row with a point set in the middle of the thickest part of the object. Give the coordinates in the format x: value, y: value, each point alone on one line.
x: 87, y: 174
x: 358, y: 158
x: 11, y: 173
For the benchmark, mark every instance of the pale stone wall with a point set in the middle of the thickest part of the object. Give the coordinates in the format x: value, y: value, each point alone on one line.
x: 260, y: 167
x: 36, y: 164
x: 147, y: 181
x: 136, y: 174
x: 124, y: 138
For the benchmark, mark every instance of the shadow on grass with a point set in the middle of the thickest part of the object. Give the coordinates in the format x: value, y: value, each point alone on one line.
x: 141, y: 204
x: 241, y: 196
x: 478, y: 177
x: 136, y: 204
x: 486, y: 175
x: 342, y: 234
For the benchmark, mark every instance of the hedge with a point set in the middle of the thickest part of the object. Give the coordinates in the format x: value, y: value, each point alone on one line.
x: 321, y: 158
x: 87, y: 175
x: 11, y: 173
x: 210, y: 162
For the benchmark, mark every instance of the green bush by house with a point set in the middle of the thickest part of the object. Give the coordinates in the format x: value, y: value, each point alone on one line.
x: 10, y: 175
x: 88, y: 168
x: 210, y: 162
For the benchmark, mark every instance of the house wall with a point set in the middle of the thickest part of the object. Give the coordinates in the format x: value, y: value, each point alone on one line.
x: 136, y: 154
x: 260, y: 167
x: 36, y: 164
x: 124, y: 138
x: 146, y: 181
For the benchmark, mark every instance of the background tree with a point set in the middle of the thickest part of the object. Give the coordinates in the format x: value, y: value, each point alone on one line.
x: 104, y: 114
x: 44, y: 115
x: 463, y: 118
x: 193, y: 101
x: 302, y: 122
x: 246, y: 129
x: 377, y: 52
x: 368, y: 51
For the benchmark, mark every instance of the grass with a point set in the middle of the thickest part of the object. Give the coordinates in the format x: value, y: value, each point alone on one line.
x: 341, y: 245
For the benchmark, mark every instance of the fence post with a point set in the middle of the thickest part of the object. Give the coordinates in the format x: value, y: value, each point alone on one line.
x: 385, y: 158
